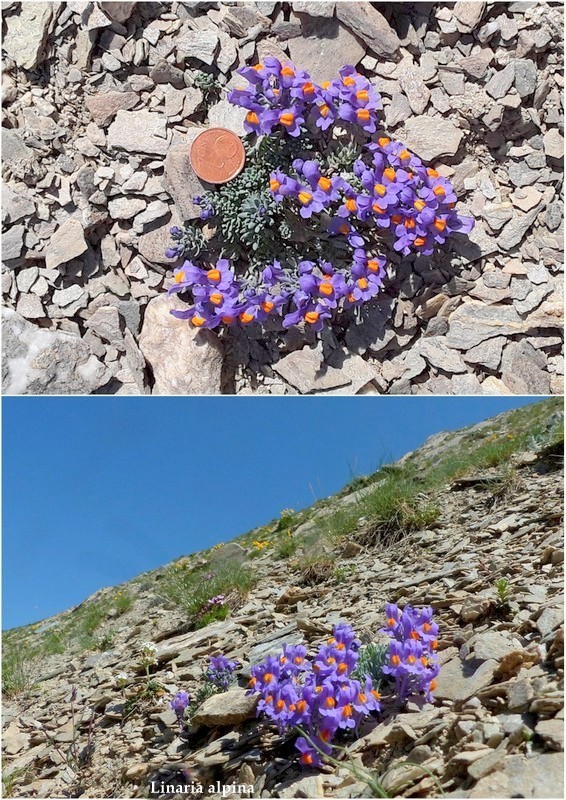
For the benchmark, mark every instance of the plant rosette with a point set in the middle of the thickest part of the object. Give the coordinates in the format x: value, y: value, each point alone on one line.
x: 303, y: 231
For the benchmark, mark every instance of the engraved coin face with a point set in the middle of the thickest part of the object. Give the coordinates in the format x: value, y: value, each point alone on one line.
x: 217, y: 155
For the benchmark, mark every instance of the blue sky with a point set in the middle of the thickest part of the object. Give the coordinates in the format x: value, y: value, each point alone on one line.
x: 97, y: 490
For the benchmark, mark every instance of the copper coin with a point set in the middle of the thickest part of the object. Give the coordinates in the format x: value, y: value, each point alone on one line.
x: 217, y: 155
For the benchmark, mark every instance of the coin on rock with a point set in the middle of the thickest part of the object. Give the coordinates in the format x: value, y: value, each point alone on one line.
x: 217, y: 155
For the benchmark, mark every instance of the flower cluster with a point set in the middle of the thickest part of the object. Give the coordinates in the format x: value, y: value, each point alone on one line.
x: 179, y: 705
x: 148, y: 654
x: 341, y: 212
x: 318, y: 694
x: 281, y: 96
x: 397, y: 193
x: 217, y: 600
x: 412, y: 660
x: 259, y: 546
x: 220, y: 672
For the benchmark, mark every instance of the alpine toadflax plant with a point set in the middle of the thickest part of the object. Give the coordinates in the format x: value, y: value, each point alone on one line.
x: 412, y: 660
x: 317, y: 223
x: 220, y: 672
x: 320, y: 696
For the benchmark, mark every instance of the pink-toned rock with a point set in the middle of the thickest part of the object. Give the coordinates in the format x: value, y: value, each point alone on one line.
x: 105, y: 106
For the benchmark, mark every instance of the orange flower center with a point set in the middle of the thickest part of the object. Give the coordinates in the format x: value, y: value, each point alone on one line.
x: 432, y: 172
x: 363, y: 113
x: 306, y: 759
x: 330, y: 702
x: 341, y: 668
x: 362, y: 698
x: 274, y: 184
x: 325, y: 184
x: 426, y: 625
x: 420, y: 204
x: 389, y: 173
x: 305, y: 198
x: 214, y: 275
x: 362, y: 283
x: 312, y: 316
x: 439, y: 191
x: 287, y: 118
x: 179, y: 277
x: 324, y: 109
x: 432, y: 686
x: 227, y: 320
x: 383, y: 141
x: 267, y: 306
x: 373, y: 265
x: 410, y: 223
x: 216, y: 298
x: 349, y: 81
x: 362, y: 96
x: 347, y: 710
x: 252, y: 118
x: 378, y: 209
x: 197, y: 321
x: 245, y: 317
x: 404, y: 155
x: 419, y: 241
x: 380, y: 189
x: 411, y: 659
x: 288, y: 72
x: 351, y: 204
x: 395, y: 660
x: 268, y: 677
x: 439, y: 224
x: 326, y: 287
x: 396, y: 218
x: 308, y: 88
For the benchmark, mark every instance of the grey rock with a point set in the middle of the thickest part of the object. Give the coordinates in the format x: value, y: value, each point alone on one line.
x: 26, y: 34
x: 154, y: 211
x: 125, y: 207
x: 231, y: 552
x: 524, y: 369
x: 551, y: 732
x: 370, y: 26
x: 68, y: 242
x: 70, y: 295
x: 553, y: 144
x: 477, y: 64
x: 437, y: 354
x: 164, y: 72
x: 431, y: 137
x: 320, y: 51
x: 182, y: 183
x: 240, y: 20
x: 474, y: 322
x: 15, y: 153
x: 459, y: 680
x: 515, y: 230
x: 488, y: 353
x: 314, y: 9
x: 497, y: 214
x: 525, y: 77
x: 227, y: 708
x: 526, y: 198
x: 227, y: 52
x: 468, y: 15
x: 501, y: 81
x: 354, y: 367
x: 225, y: 115
x: 550, y: 619
x: 519, y: 695
x: 105, y: 322
x: 15, y: 205
x: 30, y: 307
x: 41, y: 362
x: 399, y: 109
x: 411, y: 82
x: 184, y: 360
x: 139, y: 132
x: 493, y: 644
x: 304, y: 370
x: 520, y: 174
x: 554, y: 215
x: 13, y: 243
x: 200, y: 45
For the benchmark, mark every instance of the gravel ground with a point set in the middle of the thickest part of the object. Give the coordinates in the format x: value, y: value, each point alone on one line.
x: 100, y: 103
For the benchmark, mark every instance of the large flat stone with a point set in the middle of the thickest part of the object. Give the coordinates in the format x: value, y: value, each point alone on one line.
x: 324, y: 48
x: 363, y: 19
x: 431, y: 137
x: 185, y: 361
x: 26, y: 33
x: 139, y: 132
x: 459, y: 680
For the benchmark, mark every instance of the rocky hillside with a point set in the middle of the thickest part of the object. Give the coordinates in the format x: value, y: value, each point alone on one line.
x: 469, y: 524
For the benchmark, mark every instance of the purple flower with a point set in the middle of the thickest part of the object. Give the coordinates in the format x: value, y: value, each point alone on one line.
x: 220, y: 671
x: 179, y: 705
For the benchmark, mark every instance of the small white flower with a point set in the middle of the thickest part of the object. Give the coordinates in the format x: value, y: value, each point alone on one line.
x: 122, y: 679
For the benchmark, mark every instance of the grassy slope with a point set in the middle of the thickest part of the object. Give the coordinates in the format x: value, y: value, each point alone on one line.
x: 392, y: 501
